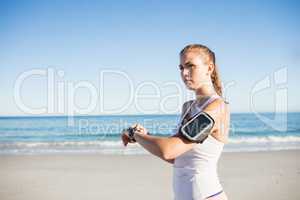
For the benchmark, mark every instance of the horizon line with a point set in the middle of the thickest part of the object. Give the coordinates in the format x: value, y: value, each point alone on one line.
x: 120, y: 115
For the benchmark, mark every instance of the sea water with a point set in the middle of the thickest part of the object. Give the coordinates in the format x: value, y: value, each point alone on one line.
x: 101, y: 134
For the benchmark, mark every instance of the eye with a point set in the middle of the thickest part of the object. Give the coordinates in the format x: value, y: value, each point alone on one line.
x: 180, y: 67
x: 191, y: 67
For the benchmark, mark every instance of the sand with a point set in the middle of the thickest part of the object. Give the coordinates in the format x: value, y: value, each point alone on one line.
x: 244, y: 176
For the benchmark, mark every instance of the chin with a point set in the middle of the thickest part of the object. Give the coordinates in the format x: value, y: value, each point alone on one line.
x: 190, y: 87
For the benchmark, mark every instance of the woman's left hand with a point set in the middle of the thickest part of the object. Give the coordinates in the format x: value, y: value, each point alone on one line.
x: 140, y: 129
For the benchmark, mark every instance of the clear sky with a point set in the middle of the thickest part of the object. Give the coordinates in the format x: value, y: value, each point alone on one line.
x: 253, y: 41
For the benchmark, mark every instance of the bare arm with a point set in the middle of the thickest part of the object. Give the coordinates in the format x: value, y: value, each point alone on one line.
x: 168, y: 148
x: 161, y: 146
x: 154, y: 145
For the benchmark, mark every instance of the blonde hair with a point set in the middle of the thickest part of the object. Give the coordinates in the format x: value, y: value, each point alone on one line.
x: 209, y: 57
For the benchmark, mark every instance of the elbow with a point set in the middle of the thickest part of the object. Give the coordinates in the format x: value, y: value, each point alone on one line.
x: 166, y: 149
x: 167, y: 154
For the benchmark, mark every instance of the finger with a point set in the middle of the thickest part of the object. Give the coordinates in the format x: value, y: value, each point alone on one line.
x: 134, y: 126
x: 124, y: 140
x: 139, y: 132
x: 127, y: 139
x: 124, y: 135
x: 142, y: 129
x: 139, y: 126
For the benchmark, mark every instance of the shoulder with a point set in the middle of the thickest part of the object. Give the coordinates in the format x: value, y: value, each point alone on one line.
x: 218, y: 106
x: 219, y: 111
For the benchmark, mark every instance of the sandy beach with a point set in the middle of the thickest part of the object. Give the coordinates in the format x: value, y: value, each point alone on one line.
x: 244, y: 176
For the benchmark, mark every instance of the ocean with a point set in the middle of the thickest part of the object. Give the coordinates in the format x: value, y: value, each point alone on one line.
x: 101, y: 134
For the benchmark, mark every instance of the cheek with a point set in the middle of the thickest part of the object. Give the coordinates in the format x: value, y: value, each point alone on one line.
x: 196, y: 74
x: 199, y: 76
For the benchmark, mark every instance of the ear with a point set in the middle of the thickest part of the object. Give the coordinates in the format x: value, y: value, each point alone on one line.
x: 211, y: 68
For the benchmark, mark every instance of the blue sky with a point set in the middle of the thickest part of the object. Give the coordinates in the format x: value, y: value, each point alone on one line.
x: 252, y: 41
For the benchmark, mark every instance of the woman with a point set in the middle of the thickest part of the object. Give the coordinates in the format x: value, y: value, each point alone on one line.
x: 194, y: 164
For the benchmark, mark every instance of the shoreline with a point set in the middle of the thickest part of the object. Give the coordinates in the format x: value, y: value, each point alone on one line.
x: 127, y: 152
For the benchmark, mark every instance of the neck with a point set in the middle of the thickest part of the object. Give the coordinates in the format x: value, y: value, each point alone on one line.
x: 204, y: 91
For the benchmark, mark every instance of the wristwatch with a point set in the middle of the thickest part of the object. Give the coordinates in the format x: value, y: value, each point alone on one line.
x: 131, y: 131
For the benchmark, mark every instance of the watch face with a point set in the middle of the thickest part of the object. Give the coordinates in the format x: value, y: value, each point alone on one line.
x: 198, y: 125
x: 130, y: 131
